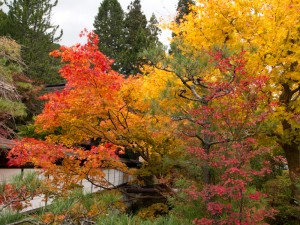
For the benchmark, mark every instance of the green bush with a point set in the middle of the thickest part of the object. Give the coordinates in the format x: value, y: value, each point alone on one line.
x: 279, y: 192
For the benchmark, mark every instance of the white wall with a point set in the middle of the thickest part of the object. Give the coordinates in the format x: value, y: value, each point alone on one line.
x: 115, y: 177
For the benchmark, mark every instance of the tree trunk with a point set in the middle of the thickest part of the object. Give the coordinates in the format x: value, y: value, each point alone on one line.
x: 291, y: 146
x: 206, y: 168
x: 292, y: 153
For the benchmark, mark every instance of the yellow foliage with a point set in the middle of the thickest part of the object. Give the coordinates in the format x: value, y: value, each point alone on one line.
x: 157, y: 87
x: 268, y: 30
x: 153, y: 211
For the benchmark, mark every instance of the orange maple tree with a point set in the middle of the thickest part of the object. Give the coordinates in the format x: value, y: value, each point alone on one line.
x: 89, y: 96
x: 97, y: 105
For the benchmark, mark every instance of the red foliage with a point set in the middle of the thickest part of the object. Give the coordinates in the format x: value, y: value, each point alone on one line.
x: 226, y: 127
x: 40, y: 153
x: 92, y: 88
x: 16, y: 196
x: 10, y: 197
x: 91, y: 91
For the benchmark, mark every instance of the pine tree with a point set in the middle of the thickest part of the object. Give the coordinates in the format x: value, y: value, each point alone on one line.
x: 30, y: 25
x: 109, y: 27
x: 3, y: 22
x: 154, y: 30
x: 139, y: 37
x: 124, y: 37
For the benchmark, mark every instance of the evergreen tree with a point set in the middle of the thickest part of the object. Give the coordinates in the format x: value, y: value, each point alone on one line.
x: 124, y: 37
x: 3, y: 22
x: 139, y: 37
x: 109, y: 26
x: 30, y: 25
x: 154, y: 32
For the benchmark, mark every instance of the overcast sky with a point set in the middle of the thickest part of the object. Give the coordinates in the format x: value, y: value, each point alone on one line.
x: 75, y: 15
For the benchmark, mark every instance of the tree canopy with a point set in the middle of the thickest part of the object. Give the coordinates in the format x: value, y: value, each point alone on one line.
x: 213, y: 123
x: 183, y: 8
x: 269, y: 40
x: 109, y: 26
x: 124, y: 36
x: 29, y: 23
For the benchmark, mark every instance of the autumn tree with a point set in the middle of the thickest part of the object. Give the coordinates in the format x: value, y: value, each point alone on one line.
x: 113, y: 119
x: 266, y: 31
x: 219, y: 115
x: 219, y: 103
x: 109, y: 26
x: 30, y: 25
x: 46, y: 154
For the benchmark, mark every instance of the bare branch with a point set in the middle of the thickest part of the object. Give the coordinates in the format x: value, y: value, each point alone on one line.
x: 110, y: 118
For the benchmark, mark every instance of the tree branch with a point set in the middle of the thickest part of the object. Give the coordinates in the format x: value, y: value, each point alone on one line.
x: 195, y: 136
x: 295, y: 90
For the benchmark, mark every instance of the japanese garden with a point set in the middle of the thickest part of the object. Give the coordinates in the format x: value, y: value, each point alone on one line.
x: 123, y: 129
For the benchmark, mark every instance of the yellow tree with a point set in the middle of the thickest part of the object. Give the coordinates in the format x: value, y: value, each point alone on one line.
x: 151, y: 100
x: 269, y: 33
